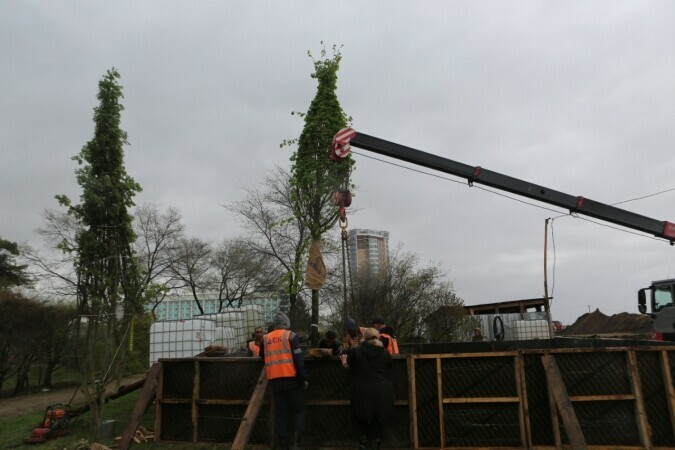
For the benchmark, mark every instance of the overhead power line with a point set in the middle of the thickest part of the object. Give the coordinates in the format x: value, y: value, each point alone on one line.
x: 567, y: 214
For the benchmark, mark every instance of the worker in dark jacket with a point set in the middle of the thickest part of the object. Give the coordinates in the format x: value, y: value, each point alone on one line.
x: 330, y: 341
x: 287, y: 379
x: 372, y: 396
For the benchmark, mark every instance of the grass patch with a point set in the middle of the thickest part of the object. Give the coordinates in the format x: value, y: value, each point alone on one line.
x: 61, y: 377
x: 15, y: 429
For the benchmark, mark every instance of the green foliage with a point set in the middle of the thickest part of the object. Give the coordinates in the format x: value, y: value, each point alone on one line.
x: 107, y: 270
x: 11, y: 274
x: 104, y: 262
x: 314, y: 177
x: 139, y: 356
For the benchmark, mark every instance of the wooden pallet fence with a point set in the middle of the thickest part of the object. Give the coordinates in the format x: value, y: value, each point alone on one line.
x: 621, y: 397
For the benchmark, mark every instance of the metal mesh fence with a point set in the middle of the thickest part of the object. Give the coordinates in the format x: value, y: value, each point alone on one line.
x: 486, y: 400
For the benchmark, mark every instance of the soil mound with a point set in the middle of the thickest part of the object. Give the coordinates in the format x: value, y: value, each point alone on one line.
x: 599, y: 323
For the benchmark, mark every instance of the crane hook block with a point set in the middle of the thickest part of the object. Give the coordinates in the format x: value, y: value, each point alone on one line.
x: 340, y: 148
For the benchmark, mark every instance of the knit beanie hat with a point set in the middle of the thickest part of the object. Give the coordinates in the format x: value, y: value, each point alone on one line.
x: 281, y: 321
x: 370, y: 336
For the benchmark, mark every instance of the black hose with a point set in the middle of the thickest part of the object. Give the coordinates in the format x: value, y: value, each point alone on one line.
x: 498, y: 331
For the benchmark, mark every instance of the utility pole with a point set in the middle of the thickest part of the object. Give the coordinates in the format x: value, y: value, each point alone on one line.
x: 546, y: 297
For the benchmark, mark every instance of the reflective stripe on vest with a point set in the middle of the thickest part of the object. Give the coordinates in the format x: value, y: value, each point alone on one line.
x: 278, y: 354
x: 392, y: 346
x: 255, y: 350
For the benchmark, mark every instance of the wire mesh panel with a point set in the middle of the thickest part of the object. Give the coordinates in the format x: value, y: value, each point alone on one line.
x: 655, y: 398
x: 224, y: 379
x: 479, y: 377
x: 594, y: 373
x: 220, y: 423
x: 482, y: 399
x: 176, y: 422
x: 481, y: 425
x: 426, y: 389
x: 178, y: 379
x: 608, y: 423
x: 539, y: 408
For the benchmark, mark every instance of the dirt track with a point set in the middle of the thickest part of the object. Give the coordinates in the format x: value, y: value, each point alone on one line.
x: 17, y: 406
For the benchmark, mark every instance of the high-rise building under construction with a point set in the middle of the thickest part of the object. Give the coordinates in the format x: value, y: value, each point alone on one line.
x: 368, y: 250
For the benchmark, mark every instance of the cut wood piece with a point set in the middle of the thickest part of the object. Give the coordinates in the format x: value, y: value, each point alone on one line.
x: 144, y: 399
x: 251, y: 414
x: 563, y: 403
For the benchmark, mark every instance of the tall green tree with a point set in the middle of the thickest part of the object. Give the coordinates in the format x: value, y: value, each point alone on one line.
x: 107, y: 271
x: 314, y: 177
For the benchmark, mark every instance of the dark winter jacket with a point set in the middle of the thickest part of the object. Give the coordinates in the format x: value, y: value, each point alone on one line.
x: 372, y: 395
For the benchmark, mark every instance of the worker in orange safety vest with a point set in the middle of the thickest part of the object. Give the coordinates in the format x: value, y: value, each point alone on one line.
x: 387, y: 335
x: 253, y: 345
x: 287, y: 379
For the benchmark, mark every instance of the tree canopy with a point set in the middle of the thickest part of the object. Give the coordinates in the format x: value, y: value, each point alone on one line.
x: 11, y: 274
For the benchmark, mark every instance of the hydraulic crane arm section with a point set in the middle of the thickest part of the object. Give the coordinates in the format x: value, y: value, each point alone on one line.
x: 581, y: 205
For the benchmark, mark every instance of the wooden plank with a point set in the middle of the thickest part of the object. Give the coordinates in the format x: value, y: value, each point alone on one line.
x: 524, y: 410
x: 175, y: 401
x: 330, y: 402
x: 467, y: 355
x: 640, y: 412
x: 563, y: 403
x: 441, y: 421
x: 552, y: 351
x: 668, y: 383
x: 251, y: 414
x: 412, y: 402
x: 212, y: 401
x: 158, y: 405
x: 144, y: 399
x: 195, y: 408
x: 462, y: 400
x: 601, y: 398
x: 555, y: 423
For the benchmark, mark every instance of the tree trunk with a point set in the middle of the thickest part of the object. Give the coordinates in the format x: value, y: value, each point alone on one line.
x: 47, y: 375
x: 314, y: 330
x: 293, y: 310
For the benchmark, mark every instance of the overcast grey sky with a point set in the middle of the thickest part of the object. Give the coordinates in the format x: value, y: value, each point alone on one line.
x: 577, y: 96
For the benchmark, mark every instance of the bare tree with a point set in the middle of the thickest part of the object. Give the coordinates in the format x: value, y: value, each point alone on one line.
x: 274, y: 231
x: 404, y: 293
x: 238, y: 272
x: 190, y: 266
x: 159, y: 233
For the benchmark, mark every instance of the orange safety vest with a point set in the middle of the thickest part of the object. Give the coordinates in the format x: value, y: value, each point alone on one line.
x: 392, y: 347
x: 253, y: 348
x: 278, y: 354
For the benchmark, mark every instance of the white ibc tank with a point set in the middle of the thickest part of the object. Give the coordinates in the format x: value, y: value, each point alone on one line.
x: 226, y: 337
x: 180, y: 338
x: 254, y: 317
x: 235, y: 319
x: 530, y: 329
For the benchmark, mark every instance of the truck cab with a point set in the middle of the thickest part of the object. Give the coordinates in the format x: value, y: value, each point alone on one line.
x: 662, y: 303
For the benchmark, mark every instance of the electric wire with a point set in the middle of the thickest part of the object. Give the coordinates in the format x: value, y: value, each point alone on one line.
x: 569, y: 214
x: 412, y: 169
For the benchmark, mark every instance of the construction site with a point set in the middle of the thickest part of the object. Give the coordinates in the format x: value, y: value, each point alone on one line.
x: 603, y: 382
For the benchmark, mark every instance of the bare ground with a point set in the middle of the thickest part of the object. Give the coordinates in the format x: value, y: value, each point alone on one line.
x: 25, y: 404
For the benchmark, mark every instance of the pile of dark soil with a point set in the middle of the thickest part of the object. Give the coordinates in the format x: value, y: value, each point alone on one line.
x: 599, y: 323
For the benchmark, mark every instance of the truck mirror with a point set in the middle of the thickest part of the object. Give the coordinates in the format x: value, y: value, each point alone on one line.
x: 642, y: 301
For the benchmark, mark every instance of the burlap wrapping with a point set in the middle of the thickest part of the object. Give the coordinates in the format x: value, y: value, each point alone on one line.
x: 316, y: 269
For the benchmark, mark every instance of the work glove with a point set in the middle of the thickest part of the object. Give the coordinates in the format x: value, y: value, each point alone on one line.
x: 305, y: 384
